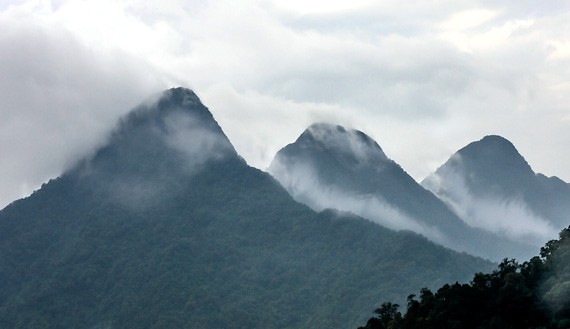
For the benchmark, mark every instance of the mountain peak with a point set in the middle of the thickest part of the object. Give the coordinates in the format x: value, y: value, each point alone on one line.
x: 494, y: 142
x: 330, y: 166
x: 329, y: 154
x: 162, y: 140
x: 496, y: 139
x: 491, y: 164
x: 177, y: 120
x: 350, y: 144
x: 175, y: 100
x: 182, y: 96
x: 182, y: 91
x: 490, y: 185
x: 493, y: 154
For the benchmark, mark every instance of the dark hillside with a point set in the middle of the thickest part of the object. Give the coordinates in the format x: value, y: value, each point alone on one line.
x: 167, y: 227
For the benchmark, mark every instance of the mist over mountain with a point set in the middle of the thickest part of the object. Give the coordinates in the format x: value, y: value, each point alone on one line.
x: 166, y: 226
x: 491, y: 186
x: 155, y: 148
x: 330, y: 166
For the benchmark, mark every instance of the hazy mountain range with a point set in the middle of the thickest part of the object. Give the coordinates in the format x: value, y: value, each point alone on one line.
x: 166, y: 226
x: 330, y: 166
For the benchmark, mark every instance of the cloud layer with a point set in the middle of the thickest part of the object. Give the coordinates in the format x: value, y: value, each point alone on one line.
x: 423, y: 79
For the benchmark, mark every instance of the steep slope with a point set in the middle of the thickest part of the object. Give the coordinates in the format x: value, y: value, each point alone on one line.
x: 167, y: 227
x: 329, y: 166
x: 491, y: 186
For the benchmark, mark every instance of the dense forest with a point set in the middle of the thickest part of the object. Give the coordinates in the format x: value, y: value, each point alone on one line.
x: 167, y: 227
x: 534, y: 294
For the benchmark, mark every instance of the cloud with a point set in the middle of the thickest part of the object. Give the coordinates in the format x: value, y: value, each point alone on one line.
x: 186, y: 134
x: 302, y: 182
x: 59, y: 100
x: 320, y: 6
x: 468, y: 19
x: 405, y: 76
x: 275, y: 121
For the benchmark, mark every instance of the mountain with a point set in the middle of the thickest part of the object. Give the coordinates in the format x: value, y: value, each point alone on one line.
x: 491, y: 186
x: 166, y: 226
x: 330, y: 166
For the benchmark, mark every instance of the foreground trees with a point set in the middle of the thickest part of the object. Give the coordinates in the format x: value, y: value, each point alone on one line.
x: 534, y: 294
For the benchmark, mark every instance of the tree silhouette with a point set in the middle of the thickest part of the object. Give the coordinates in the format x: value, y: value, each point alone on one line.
x: 531, y: 295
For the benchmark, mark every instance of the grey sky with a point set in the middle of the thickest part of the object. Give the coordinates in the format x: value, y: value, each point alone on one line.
x: 424, y: 78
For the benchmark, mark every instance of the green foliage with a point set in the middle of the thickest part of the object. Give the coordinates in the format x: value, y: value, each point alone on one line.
x: 226, y: 248
x: 535, y: 294
x: 388, y: 317
x: 147, y: 234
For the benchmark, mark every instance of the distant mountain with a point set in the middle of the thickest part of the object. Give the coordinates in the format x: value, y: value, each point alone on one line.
x: 167, y: 227
x: 491, y: 186
x: 330, y: 166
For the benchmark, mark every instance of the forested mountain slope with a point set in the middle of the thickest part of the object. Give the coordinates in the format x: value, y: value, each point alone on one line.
x: 330, y: 166
x: 167, y: 227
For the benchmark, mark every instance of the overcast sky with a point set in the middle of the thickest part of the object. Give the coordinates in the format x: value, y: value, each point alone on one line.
x: 423, y: 78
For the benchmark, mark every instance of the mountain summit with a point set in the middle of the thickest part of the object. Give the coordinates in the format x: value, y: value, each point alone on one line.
x: 353, y: 147
x: 493, y: 164
x: 176, y: 126
x: 167, y: 227
x: 330, y: 166
x: 490, y: 185
x: 155, y: 149
x: 346, y: 156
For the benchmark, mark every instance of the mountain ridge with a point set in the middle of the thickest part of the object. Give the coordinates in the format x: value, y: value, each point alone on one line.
x: 153, y: 233
x: 331, y: 175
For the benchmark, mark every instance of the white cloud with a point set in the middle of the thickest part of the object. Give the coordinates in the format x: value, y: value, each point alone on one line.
x: 304, y: 7
x: 468, y: 19
x: 59, y: 99
x: 303, y: 184
x: 248, y: 118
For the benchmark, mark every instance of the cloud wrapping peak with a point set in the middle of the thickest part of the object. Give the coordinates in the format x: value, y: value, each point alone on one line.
x: 350, y: 142
x: 509, y: 217
x: 156, y: 150
x: 423, y: 78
